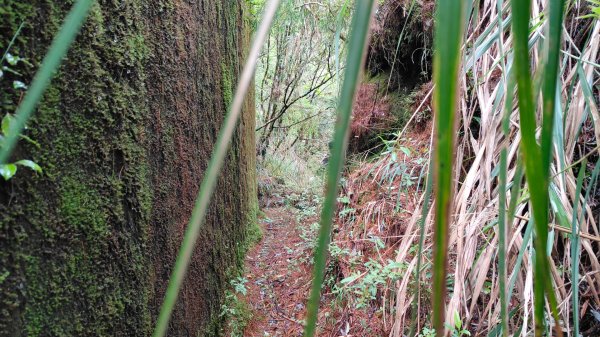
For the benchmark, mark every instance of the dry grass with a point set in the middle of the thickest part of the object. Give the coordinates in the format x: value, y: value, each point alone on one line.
x: 474, y: 291
x: 474, y: 239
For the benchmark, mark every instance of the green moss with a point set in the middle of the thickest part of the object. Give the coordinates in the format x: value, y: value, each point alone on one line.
x: 81, y: 208
x: 227, y: 84
x: 78, y: 243
x: 137, y: 48
x: 78, y: 265
x: 13, y: 14
x: 253, y: 232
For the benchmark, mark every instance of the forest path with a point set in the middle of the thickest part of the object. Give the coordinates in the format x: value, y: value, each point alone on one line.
x: 278, y: 276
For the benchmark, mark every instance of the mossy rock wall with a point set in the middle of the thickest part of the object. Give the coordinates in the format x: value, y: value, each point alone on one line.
x: 125, y: 132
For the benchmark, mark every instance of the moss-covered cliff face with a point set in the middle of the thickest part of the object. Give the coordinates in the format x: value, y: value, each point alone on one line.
x: 125, y: 134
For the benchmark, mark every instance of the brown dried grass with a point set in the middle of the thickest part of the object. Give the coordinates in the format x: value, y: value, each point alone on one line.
x: 474, y: 238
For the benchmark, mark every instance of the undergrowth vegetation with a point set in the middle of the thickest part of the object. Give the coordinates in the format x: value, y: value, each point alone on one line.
x: 385, y: 195
x: 488, y: 127
x: 384, y: 227
x: 297, y: 80
x: 235, y: 311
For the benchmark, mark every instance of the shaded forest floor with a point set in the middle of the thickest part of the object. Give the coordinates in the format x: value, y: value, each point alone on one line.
x: 356, y: 299
x: 278, y: 277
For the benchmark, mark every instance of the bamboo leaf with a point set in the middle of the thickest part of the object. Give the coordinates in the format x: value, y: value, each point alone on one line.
x: 447, y: 45
x: 356, y: 51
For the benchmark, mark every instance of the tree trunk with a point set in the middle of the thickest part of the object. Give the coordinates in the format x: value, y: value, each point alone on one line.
x: 125, y: 132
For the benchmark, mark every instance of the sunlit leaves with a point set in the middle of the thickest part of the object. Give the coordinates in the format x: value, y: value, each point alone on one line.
x: 8, y: 171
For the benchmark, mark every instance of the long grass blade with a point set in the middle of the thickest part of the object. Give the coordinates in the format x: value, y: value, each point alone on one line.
x: 212, y: 172
x: 502, y: 208
x: 356, y: 52
x: 424, y: 212
x: 514, y: 196
x: 550, y: 98
x: 12, y: 41
x: 535, y: 166
x: 537, y: 160
x: 549, y: 93
x: 52, y: 60
x: 575, y: 250
x: 447, y: 46
x: 575, y: 240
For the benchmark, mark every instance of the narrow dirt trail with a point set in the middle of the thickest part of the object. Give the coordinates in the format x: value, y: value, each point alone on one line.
x: 278, y: 277
x: 278, y: 273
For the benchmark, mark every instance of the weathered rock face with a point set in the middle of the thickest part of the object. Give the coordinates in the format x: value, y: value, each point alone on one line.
x: 125, y: 133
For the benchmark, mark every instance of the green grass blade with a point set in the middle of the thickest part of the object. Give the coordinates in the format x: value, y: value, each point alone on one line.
x: 502, y: 207
x: 514, y: 200
x: 424, y: 212
x: 519, y: 261
x: 356, y: 50
x: 536, y: 167
x: 12, y: 41
x: 514, y: 196
x: 575, y: 250
x: 537, y: 160
x: 447, y: 45
x: 550, y: 98
x: 212, y: 172
x: 515, y: 190
x: 52, y: 60
x: 575, y: 241
x: 549, y: 93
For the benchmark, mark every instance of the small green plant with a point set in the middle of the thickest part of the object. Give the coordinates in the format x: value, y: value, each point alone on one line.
x: 8, y: 170
x: 364, y: 286
x: 239, y: 285
x: 235, y: 310
x: 12, y: 62
x: 308, y: 234
x: 426, y: 332
x: 457, y: 330
x: 347, y: 211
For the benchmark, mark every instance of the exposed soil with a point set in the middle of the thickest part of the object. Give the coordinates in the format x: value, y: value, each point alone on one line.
x: 278, y: 277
